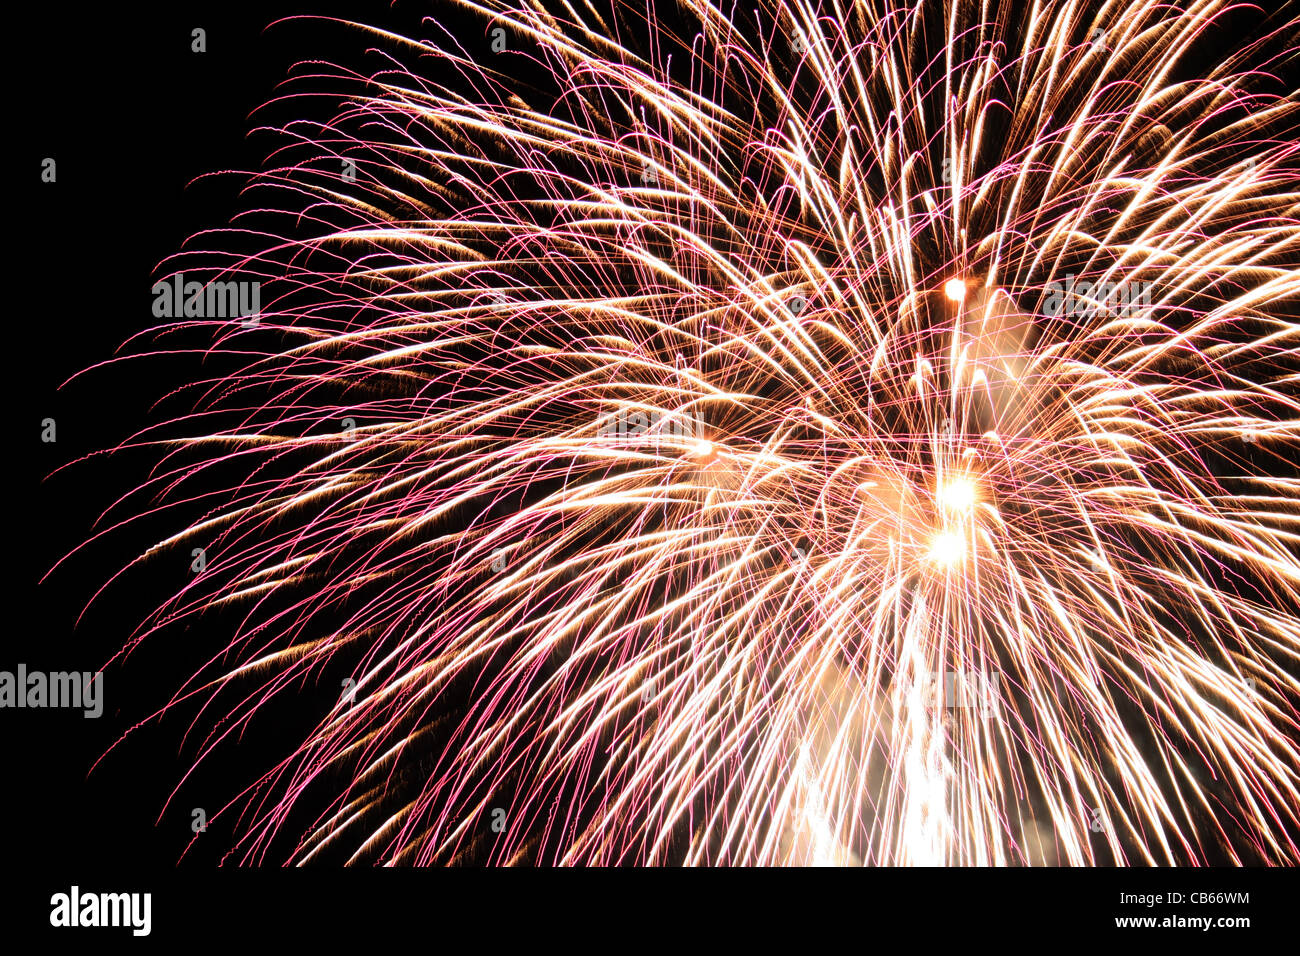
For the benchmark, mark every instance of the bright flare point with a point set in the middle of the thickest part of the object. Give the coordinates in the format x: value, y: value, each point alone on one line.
x: 958, y: 495
x: 947, y: 548
x: 705, y: 452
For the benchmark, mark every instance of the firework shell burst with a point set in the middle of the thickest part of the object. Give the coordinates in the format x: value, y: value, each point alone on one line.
x: 845, y: 435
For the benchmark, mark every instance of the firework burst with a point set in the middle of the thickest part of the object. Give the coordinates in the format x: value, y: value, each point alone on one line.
x: 855, y: 434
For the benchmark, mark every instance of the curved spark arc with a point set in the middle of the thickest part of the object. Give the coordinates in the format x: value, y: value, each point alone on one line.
x: 838, y: 457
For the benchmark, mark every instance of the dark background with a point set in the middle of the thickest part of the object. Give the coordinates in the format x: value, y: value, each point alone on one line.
x: 132, y: 117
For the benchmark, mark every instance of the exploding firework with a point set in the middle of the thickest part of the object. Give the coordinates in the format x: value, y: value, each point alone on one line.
x: 835, y: 435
